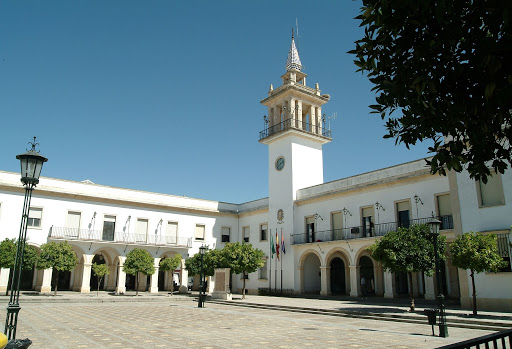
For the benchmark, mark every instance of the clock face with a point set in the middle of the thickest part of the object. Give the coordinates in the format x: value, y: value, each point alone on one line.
x: 279, y: 163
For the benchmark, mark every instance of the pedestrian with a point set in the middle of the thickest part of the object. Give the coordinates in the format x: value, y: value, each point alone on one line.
x: 363, y: 286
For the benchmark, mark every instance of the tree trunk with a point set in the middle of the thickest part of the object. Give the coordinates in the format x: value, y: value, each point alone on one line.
x: 474, y: 291
x: 411, y: 293
x: 56, y: 283
x: 243, y: 289
x: 137, y: 284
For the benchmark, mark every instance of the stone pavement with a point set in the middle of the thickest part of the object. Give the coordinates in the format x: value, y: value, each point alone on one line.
x: 74, y: 320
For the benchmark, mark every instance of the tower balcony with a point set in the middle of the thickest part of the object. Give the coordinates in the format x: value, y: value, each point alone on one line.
x: 298, y: 126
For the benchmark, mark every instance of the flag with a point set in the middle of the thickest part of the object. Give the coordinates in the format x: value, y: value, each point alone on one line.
x: 282, y: 243
x: 272, y: 246
x: 277, y: 245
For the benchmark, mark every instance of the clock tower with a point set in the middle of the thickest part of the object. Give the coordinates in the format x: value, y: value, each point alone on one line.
x: 294, y: 132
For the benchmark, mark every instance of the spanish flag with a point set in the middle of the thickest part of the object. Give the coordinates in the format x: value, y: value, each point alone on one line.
x: 277, y: 245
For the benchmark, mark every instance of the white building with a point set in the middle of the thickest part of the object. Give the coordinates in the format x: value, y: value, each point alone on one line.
x: 326, y: 226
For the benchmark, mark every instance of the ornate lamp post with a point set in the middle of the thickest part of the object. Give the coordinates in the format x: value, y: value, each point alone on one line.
x: 31, y: 165
x: 434, y: 225
x: 202, y: 296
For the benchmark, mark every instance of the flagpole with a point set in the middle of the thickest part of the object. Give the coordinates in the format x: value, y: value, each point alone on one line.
x: 275, y: 278
x: 270, y: 262
x: 282, y: 255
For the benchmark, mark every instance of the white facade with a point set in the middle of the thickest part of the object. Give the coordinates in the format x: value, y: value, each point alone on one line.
x: 326, y: 226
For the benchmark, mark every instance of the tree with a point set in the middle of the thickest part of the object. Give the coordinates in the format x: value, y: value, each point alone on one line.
x: 100, y: 270
x: 8, y: 249
x: 444, y: 67
x: 212, y: 260
x: 408, y: 250
x: 476, y: 252
x: 243, y: 259
x: 172, y: 263
x: 59, y: 256
x: 138, y: 261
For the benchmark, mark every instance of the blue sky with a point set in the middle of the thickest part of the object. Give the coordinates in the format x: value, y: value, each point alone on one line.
x: 164, y: 96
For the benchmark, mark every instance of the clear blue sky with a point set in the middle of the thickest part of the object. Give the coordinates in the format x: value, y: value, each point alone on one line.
x: 164, y: 96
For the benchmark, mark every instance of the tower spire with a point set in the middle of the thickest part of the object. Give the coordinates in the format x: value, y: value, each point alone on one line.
x: 293, y: 61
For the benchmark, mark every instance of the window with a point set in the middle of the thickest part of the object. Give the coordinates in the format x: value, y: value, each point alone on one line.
x: 403, y: 217
x: 263, y: 232
x: 367, y: 220
x: 310, y: 229
x: 245, y: 276
x: 491, y: 193
x: 262, y: 272
x: 34, y: 217
x: 171, y: 234
x: 337, y: 225
x: 199, y: 233
x: 444, y: 208
x: 225, y: 232
x: 72, y: 224
x: 141, y: 230
x: 504, y: 250
x: 246, y: 232
x: 109, y: 227
x: 73, y: 220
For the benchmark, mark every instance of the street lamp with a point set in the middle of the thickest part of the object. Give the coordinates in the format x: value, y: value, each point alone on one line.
x: 434, y: 225
x: 202, y: 296
x: 31, y: 165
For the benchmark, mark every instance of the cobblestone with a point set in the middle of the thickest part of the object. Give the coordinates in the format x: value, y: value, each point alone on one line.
x: 182, y: 325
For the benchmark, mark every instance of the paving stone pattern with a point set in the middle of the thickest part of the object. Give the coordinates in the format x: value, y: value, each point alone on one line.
x: 183, y: 325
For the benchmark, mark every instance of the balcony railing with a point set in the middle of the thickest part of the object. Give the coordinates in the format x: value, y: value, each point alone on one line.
x: 99, y: 235
x: 364, y: 231
x: 293, y: 124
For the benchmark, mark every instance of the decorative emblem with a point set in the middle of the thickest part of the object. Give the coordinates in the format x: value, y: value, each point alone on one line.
x: 280, y: 216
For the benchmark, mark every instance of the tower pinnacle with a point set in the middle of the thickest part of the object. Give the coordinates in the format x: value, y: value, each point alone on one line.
x: 293, y: 61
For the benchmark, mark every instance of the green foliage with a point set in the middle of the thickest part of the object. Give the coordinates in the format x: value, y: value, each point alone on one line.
x: 8, y: 249
x: 443, y: 68
x: 7, y: 253
x: 212, y: 260
x: 408, y: 250
x: 476, y: 252
x: 170, y: 263
x: 100, y: 270
x: 242, y: 258
x: 137, y: 261
x: 59, y: 256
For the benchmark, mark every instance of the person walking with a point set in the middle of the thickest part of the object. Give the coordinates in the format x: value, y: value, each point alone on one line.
x: 363, y: 286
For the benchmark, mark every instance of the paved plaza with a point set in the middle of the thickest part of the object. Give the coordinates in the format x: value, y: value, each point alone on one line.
x: 179, y: 323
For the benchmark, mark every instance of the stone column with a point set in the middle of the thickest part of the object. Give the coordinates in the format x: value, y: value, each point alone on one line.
x: 389, y: 291
x: 85, y: 286
x: 355, y: 285
x: 121, y: 277
x: 324, y: 290
x: 429, y: 288
x: 298, y: 115
x: 44, y: 284
x: 184, y: 278
x: 154, y: 281
x: 301, y: 279
x: 312, y: 119
x: 378, y: 280
x: 319, y: 120
x: 4, y: 279
x: 293, y: 112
